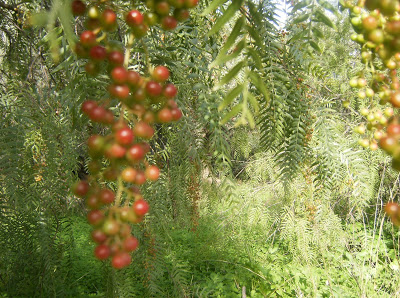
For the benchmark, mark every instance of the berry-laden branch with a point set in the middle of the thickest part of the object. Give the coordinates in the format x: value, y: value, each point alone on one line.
x: 377, y: 29
x: 147, y: 100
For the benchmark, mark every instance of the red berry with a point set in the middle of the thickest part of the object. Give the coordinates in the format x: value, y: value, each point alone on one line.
x: 393, y: 130
x: 152, y: 173
x: 108, y: 118
x: 124, y: 136
x: 130, y: 244
x: 109, y: 18
x: 119, y: 75
x: 98, y: 236
x: 80, y: 188
x: 102, y: 252
x: 143, y: 130
x: 141, y: 207
x: 140, y: 178
x: 170, y: 91
x: 191, y: 3
x: 133, y: 78
x: 111, y: 174
x: 119, y: 91
x: 97, y: 114
x: 148, y: 117
x: 392, y: 209
x: 153, y: 89
x: 119, y: 125
x: 388, y: 144
x: 162, y: 8
x: 96, y: 144
x: 169, y: 23
x: 111, y: 227
x: 95, y: 217
x: 395, y: 99
x: 93, y: 202
x: 98, y: 53
x: 121, y: 260
x: 88, y: 106
x: 116, y: 58
x: 181, y: 14
x: 80, y: 50
x: 134, y: 18
x: 115, y: 151
x: 161, y: 73
x: 145, y: 146
x: 106, y: 196
x: 78, y: 8
x: 88, y: 38
x: 129, y: 174
x: 164, y: 115
x: 135, y: 153
x: 176, y: 114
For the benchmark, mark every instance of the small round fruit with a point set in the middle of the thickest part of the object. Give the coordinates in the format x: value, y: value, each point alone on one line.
x: 135, y: 153
x: 133, y: 78
x: 119, y: 91
x: 164, y: 115
x: 160, y: 73
x: 143, y: 130
x: 181, y: 14
x: 98, y: 236
x: 119, y: 75
x: 370, y: 23
x: 116, y: 58
x: 111, y: 227
x: 191, y: 3
x: 102, y: 252
x: 88, y: 38
x: 152, y: 173
x: 109, y: 19
x: 130, y: 244
x: 124, y: 136
x: 134, y: 18
x: 395, y: 99
x: 92, y: 202
x: 95, y: 217
x: 153, y: 89
x: 88, y: 106
x: 98, y: 53
x: 140, y: 178
x: 80, y: 188
x: 169, y: 23
x: 141, y: 207
x: 388, y: 144
x: 170, y: 91
x: 129, y: 174
x: 392, y: 209
x: 97, y: 114
x: 111, y: 174
x: 106, y: 196
x: 78, y: 8
x: 96, y: 144
x: 115, y: 151
x: 121, y: 260
x: 176, y: 114
x: 92, y: 68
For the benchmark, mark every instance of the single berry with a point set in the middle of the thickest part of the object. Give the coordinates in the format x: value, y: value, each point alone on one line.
x: 133, y: 78
x: 98, y: 236
x: 121, y: 260
x: 152, y: 173
x: 96, y: 144
x: 135, y: 153
x: 143, y: 130
x: 115, y: 151
x: 97, y: 114
x: 140, y: 178
x: 78, y: 8
x: 153, y: 89
x: 134, y: 18
x: 124, y: 136
x: 109, y: 19
x: 88, y: 106
x: 181, y: 14
x: 111, y: 174
x: 130, y: 244
x: 164, y: 115
x: 160, y: 73
x: 93, y: 202
x: 106, y: 196
x: 129, y: 174
x: 162, y: 8
x: 119, y: 74
x: 92, y: 68
x: 116, y: 58
x: 102, y: 252
x: 88, y: 38
x: 191, y: 3
x: 111, y: 227
x: 139, y: 95
x: 141, y: 207
x: 170, y: 91
x: 119, y: 91
x: 80, y: 188
x: 98, y: 53
x: 95, y: 217
x: 176, y: 114
x: 169, y: 23
x: 392, y: 209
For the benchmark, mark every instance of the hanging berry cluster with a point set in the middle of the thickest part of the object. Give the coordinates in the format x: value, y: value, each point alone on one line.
x: 120, y: 155
x: 377, y: 27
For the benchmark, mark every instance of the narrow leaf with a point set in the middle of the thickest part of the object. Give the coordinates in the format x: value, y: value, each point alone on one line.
x: 214, y: 5
x: 228, y: 14
x: 315, y: 46
x: 230, y: 97
x: 301, y: 18
x: 236, y: 109
x: 231, y: 74
x: 324, y: 19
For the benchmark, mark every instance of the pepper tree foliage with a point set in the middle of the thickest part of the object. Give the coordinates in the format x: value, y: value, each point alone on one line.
x: 234, y: 66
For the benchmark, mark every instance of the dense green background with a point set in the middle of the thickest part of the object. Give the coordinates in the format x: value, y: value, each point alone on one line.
x: 292, y: 207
